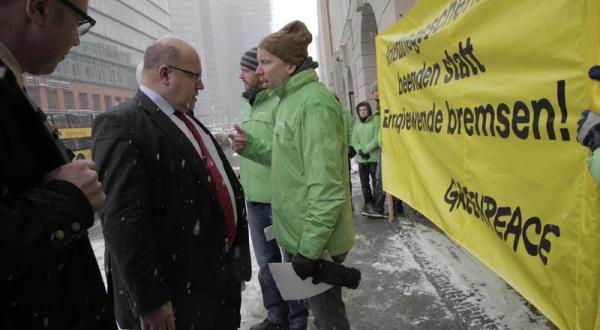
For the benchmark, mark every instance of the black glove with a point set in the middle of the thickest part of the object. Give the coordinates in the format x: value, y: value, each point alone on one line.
x: 303, y: 266
x: 336, y: 274
x: 325, y: 271
x: 595, y: 72
x: 351, y: 152
x: 588, y: 130
x: 363, y: 154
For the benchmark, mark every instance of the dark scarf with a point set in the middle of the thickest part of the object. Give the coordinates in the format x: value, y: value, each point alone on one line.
x: 250, y: 95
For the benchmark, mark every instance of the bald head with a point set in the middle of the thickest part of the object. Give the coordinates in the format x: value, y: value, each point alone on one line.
x: 172, y: 69
x: 168, y: 50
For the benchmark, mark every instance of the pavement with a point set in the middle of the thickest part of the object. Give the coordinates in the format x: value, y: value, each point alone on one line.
x: 413, y: 277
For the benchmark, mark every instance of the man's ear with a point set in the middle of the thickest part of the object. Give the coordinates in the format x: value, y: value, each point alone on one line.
x: 163, y: 74
x: 291, y: 68
x: 38, y: 11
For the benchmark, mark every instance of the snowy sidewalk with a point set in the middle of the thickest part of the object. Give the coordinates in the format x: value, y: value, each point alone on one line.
x: 414, y: 277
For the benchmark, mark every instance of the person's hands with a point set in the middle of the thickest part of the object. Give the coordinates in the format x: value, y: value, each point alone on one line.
x: 162, y: 318
x: 83, y: 175
x: 588, y: 130
x: 238, y: 139
x: 363, y: 154
x: 303, y: 266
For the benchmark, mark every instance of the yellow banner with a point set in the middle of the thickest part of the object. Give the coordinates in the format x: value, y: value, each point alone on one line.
x: 70, y: 133
x: 480, y: 101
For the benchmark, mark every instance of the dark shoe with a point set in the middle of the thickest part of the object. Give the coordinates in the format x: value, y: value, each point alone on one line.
x: 365, y: 209
x: 268, y: 325
x: 377, y: 214
x: 368, y: 210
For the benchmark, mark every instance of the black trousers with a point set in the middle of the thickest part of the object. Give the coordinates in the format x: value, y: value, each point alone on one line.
x: 367, y: 171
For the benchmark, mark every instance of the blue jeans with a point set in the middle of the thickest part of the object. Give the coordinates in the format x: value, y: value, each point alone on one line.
x: 279, y: 311
x: 328, y: 308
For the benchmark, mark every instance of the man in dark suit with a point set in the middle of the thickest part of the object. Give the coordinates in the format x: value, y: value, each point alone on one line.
x: 174, y: 222
x: 49, y: 277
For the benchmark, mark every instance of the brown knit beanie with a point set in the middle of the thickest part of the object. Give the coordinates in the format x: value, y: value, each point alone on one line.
x: 289, y: 44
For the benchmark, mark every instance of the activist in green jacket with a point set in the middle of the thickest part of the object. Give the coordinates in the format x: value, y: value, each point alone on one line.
x: 255, y: 175
x: 588, y: 134
x: 365, y: 136
x: 311, y: 195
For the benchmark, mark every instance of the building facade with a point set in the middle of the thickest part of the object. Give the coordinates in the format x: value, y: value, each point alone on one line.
x: 100, y: 72
x: 347, y: 44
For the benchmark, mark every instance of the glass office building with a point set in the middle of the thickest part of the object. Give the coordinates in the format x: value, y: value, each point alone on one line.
x: 100, y: 72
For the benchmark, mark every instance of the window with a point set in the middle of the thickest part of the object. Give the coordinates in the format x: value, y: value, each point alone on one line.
x: 83, y: 101
x: 117, y: 100
x: 96, y: 102
x: 69, y: 101
x: 107, y: 102
x: 52, y: 99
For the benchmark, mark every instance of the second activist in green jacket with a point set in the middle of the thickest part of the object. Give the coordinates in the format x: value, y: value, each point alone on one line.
x: 255, y: 175
x: 365, y: 138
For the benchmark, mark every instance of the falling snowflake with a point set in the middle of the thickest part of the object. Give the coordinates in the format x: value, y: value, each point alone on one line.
x: 197, y: 228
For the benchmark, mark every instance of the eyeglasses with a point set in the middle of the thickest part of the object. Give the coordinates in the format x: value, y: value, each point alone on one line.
x: 85, y: 22
x: 196, y: 76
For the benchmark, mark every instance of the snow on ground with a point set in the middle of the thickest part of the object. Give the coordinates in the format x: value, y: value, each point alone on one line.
x: 396, y: 261
x: 464, y: 272
x: 413, y: 276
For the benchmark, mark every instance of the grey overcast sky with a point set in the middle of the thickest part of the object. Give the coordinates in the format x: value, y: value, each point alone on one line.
x: 285, y: 11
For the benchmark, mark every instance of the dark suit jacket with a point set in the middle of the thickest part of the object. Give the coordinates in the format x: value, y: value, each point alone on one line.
x: 163, y: 225
x: 49, y: 277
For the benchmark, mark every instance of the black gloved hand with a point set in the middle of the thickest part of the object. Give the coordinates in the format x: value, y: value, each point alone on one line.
x: 363, y: 154
x: 336, y: 274
x: 594, y: 72
x: 588, y: 130
x: 303, y: 266
x: 351, y: 152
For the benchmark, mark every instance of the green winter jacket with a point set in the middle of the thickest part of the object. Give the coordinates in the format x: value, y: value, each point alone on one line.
x: 594, y: 165
x: 310, y: 182
x: 365, y: 137
x: 258, y: 119
x: 349, y: 122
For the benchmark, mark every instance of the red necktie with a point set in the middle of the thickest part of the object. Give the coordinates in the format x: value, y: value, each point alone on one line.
x: 220, y: 186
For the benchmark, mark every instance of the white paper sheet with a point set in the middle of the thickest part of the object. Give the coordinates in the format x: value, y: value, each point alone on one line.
x: 269, y: 233
x: 291, y: 286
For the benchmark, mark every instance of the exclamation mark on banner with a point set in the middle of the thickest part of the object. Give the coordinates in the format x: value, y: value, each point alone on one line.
x: 560, y: 92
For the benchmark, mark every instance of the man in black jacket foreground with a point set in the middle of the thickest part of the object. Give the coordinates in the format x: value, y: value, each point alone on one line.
x: 49, y: 278
x: 174, y: 222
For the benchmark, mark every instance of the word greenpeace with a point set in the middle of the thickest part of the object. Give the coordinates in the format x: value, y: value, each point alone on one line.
x: 507, y: 223
x: 524, y: 120
x: 458, y: 65
x: 401, y: 48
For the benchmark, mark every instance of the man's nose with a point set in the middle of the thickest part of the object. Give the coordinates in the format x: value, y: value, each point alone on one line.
x: 199, y: 85
x: 76, y: 43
